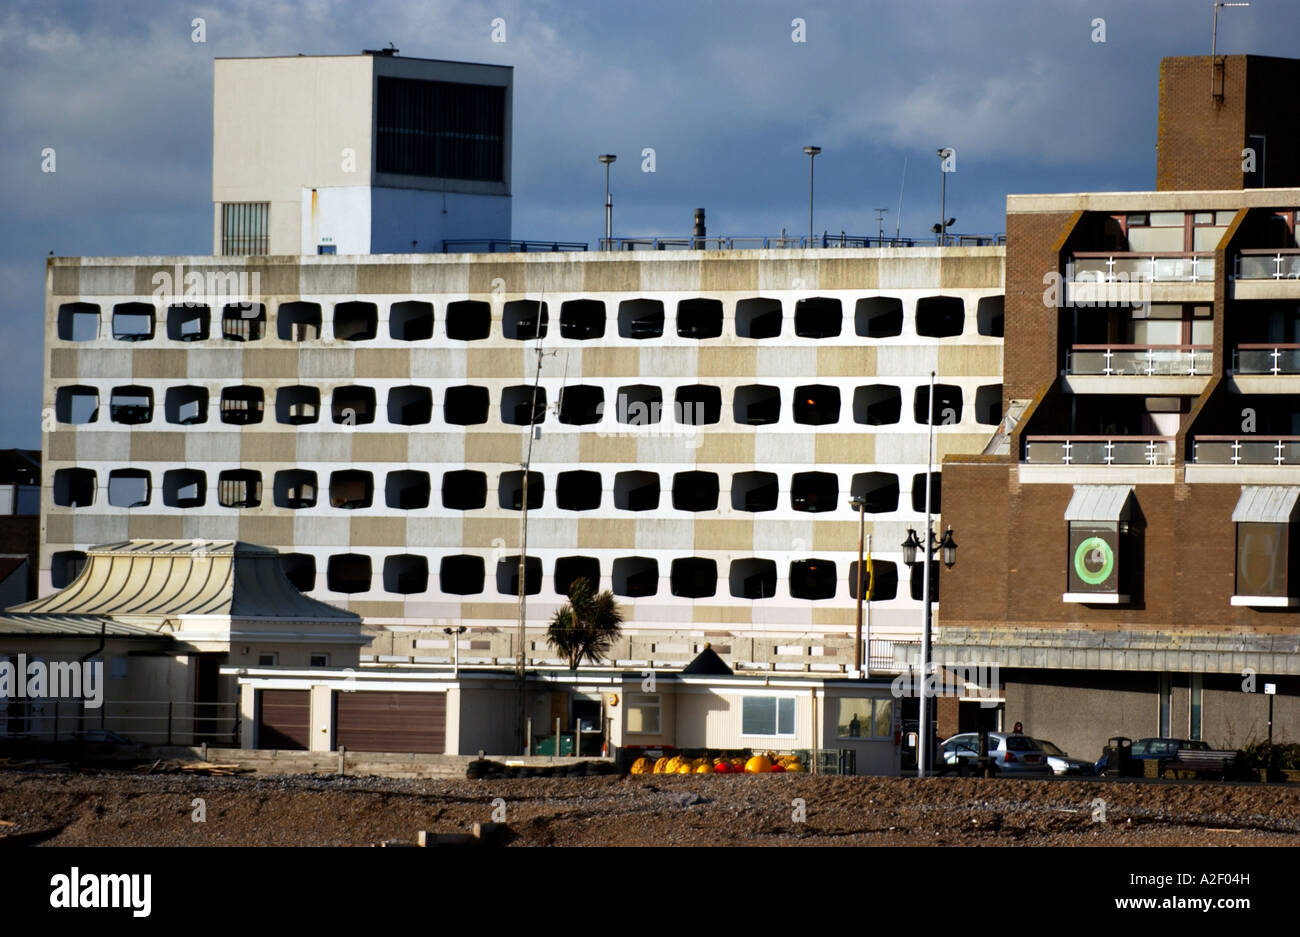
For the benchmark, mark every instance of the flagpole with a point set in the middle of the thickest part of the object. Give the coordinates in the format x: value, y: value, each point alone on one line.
x: 866, y: 657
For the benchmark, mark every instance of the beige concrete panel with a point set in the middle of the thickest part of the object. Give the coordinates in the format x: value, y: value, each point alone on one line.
x: 908, y: 360
x: 788, y: 274
x: 723, y: 614
x: 725, y: 361
x: 972, y: 273
x: 845, y: 448
x: 836, y: 536
x: 425, y: 531
x: 157, y: 447
x: 672, y: 276
x: 324, y: 446
x: 783, y: 448
x: 435, y: 447
x: 325, y: 364
x: 669, y: 362
x: 276, y: 276
x: 377, y: 609
x: 269, y: 447
x: 677, y: 447
x: 725, y: 448
x: 484, y: 268
x: 557, y: 273
x: 104, y: 447
x: 611, y: 362
x: 909, y: 272
x: 961, y: 443
x: 58, y: 527
x: 783, y: 536
x: 435, y: 277
x: 270, y: 362
x: 108, y: 281
x: 902, y: 448
x: 155, y: 526
x: 599, y: 533
x: 98, y: 528
x: 494, y: 447
x: 159, y: 362
x: 483, y: 531
x: 382, y: 362
x: 491, y: 611
x: 209, y: 526
x: 61, y: 446
x: 724, y: 535
x: 317, y: 278
x: 107, y: 362
x: 270, y: 531
x: 63, y: 363
x: 557, y: 447
x: 848, y: 273
x: 379, y: 447
x: 840, y: 361
x: 221, y: 364
x: 496, y: 362
x: 384, y: 278
x: 378, y: 532
x: 660, y: 534
x: 212, y: 447
x: 428, y: 363
x: 829, y: 615
x: 321, y: 531
x: 971, y: 361
x: 66, y: 280
x: 593, y: 448
x: 786, y: 362
x: 618, y: 276
x: 737, y: 275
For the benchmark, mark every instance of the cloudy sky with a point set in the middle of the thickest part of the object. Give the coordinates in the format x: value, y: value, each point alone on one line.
x: 717, y: 87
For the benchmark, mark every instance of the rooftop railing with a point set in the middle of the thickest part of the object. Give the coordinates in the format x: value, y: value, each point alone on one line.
x: 1110, y: 266
x: 790, y: 241
x: 495, y: 246
x: 1140, y: 360
x: 1099, y: 450
x: 1268, y: 264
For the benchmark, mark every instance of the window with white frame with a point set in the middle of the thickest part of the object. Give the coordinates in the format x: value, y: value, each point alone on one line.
x: 865, y: 718
x: 644, y: 714
x: 767, y: 715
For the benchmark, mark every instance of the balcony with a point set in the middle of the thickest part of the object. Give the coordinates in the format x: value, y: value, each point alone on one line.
x: 1269, y: 273
x: 1170, y: 277
x: 1268, y: 368
x: 1138, y: 369
x: 1103, y: 459
x: 1237, y: 459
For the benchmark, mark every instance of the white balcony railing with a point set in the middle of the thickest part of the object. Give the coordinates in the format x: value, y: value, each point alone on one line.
x: 1266, y: 359
x: 1099, y: 450
x: 1246, y: 450
x: 1282, y: 264
x: 1109, y: 267
x: 1140, y: 360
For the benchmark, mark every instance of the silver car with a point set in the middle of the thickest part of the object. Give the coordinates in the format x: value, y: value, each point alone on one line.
x: 1062, y: 763
x: 1008, y: 754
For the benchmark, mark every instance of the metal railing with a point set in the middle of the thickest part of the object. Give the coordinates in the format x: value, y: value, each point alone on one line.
x: 1140, y: 360
x: 884, y: 656
x: 1112, y: 266
x: 499, y: 246
x: 1266, y: 264
x: 1246, y: 450
x: 1099, y: 450
x: 790, y: 241
x: 147, y: 722
x: 1276, y: 358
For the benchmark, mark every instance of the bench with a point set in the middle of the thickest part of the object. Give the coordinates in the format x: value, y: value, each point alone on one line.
x: 1209, y: 763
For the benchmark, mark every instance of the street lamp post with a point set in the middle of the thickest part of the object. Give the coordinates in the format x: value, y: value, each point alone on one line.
x: 859, y: 658
x: 607, y: 159
x: 455, y: 634
x: 944, y: 221
x: 812, y: 152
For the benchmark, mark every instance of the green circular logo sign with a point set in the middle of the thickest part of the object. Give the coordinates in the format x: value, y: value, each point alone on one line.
x: 1094, y: 561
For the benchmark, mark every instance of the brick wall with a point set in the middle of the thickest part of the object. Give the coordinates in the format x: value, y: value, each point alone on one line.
x: 1030, y: 352
x: 1199, y: 140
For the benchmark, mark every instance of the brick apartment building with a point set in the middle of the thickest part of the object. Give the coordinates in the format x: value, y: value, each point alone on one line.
x: 1137, y: 562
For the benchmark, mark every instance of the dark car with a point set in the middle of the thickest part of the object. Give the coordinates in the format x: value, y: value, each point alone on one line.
x: 1155, y: 750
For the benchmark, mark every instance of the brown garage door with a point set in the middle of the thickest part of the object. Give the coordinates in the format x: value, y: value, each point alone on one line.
x: 390, y: 722
x: 284, y: 719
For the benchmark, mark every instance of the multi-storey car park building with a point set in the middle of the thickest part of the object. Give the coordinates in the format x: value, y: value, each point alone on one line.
x: 702, y: 419
x: 1137, y: 525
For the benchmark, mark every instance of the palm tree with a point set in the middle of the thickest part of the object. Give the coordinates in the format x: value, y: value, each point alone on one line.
x: 586, y: 626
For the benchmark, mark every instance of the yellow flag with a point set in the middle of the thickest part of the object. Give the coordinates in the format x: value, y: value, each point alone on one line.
x: 871, y: 580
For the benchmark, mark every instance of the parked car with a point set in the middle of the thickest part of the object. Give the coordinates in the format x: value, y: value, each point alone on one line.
x: 1062, y: 763
x: 1008, y: 754
x: 1154, y: 750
